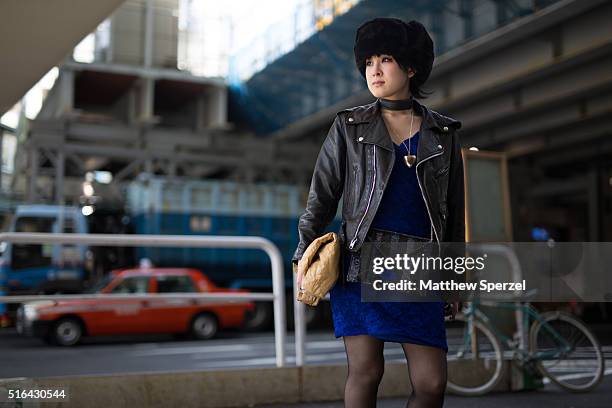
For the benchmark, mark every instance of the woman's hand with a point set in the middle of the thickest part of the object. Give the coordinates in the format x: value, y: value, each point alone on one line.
x: 299, y: 276
x: 299, y: 280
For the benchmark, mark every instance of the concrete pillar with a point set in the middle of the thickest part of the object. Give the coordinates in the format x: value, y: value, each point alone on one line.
x: 501, y: 12
x: 200, y: 113
x: 594, y: 205
x: 32, y: 192
x: 59, y: 177
x: 216, y: 107
x: 66, y: 93
x: 132, y: 106
x: 437, y: 28
x: 148, y: 34
x: 467, y: 14
x: 147, y: 94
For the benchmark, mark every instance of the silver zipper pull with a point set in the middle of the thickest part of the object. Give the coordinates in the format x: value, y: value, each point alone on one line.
x: 352, y: 244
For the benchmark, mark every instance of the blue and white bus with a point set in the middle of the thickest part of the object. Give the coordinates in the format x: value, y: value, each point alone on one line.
x: 43, y: 268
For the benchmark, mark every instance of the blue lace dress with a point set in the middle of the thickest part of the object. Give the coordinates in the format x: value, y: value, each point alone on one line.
x: 402, y: 210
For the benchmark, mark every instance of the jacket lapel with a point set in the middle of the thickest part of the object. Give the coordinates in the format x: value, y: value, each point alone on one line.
x: 429, y: 141
x: 376, y: 132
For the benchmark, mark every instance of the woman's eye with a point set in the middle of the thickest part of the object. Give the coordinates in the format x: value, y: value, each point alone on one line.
x: 368, y: 62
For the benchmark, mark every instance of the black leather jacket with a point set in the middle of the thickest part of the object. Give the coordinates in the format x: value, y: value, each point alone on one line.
x: 355, y: 162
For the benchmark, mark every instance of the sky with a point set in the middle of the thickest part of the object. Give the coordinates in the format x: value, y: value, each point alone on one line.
x: 252, y: 18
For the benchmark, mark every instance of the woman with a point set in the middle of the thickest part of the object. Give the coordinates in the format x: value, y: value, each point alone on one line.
x: 398, y: 166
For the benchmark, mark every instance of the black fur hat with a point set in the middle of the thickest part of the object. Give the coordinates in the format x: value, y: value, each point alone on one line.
x: 409, y: 43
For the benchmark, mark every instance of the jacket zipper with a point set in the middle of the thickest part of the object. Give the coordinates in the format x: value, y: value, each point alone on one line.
x: 424, y: 198
x: 354, y: 240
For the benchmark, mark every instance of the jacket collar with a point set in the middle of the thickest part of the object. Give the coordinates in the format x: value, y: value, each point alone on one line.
x: 376, y: 132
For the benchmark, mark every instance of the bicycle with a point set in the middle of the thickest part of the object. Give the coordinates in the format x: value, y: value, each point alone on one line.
x: 556, y: 342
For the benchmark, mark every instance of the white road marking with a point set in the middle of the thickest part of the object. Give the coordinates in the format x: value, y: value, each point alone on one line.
x: 192, y: 350
x: 390, y: 355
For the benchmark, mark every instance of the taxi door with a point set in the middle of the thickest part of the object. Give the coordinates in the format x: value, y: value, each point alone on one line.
x: 125, y: 316
x: 173, y: 315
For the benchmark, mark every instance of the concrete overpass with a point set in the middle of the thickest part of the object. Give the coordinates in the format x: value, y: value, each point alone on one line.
x: 37, y: 35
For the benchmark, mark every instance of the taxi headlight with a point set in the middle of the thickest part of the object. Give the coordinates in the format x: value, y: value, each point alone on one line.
x: 30, y: 312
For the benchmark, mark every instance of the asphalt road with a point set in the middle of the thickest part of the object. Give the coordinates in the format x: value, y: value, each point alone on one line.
x: 30, y: 357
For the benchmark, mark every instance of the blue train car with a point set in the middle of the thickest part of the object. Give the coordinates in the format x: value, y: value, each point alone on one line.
x: 217, y: 207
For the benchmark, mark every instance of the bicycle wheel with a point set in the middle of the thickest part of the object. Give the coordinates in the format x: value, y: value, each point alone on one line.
x: 566, y: 351
x: 474, y: 357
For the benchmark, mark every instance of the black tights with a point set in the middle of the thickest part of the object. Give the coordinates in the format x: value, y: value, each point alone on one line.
x: 366, y: 365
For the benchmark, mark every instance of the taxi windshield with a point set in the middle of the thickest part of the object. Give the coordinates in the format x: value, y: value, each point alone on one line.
x: 100, y: 284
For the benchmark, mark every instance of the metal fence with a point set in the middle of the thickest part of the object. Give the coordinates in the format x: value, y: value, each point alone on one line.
x: 198, y: 241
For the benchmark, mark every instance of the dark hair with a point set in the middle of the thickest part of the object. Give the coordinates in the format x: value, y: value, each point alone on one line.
x: 409, y: 43
x: 415, y: 88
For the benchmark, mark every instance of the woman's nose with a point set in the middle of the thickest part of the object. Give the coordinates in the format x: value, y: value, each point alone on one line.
x: 375, y: 69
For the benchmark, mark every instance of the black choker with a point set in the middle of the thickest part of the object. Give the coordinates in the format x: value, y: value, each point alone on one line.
x: 396, y: 104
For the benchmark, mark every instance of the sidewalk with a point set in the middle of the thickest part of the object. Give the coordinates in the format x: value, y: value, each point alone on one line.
x: 550, y: 397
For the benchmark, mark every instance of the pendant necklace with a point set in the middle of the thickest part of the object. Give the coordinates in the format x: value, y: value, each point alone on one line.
x: 409, y: 158
x: 402, y: 104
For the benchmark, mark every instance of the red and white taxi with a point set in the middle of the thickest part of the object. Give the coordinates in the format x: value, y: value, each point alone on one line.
x: 66, y: 322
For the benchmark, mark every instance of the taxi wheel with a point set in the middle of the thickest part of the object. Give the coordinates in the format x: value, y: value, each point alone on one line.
x: 260, y: 318
x: 204, y: 326
x: 66, y: 332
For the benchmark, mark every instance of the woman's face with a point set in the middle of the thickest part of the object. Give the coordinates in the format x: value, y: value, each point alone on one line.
x: 386, y: 79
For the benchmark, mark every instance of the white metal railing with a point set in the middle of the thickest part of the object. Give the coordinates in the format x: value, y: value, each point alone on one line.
x: 193, y: 241
x: 300, y: 324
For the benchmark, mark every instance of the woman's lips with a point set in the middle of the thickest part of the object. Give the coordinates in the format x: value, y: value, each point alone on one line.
x: 378, y: 83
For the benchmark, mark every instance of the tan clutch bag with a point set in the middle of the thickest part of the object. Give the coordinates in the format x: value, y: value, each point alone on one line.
x: 320, y: 266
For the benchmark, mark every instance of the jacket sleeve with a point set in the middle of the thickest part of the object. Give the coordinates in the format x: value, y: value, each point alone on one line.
x: 455, y: 200
x: 326, y: 188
